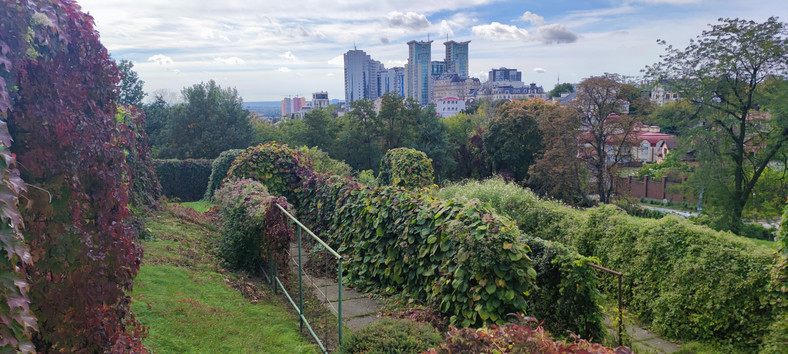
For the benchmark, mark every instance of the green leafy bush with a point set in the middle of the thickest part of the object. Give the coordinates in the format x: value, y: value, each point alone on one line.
x: 183, y: 179
x: 276, y: 166
x: 757, y: 231
x: 392, y: 336
x: 219, y: 168
x: 776, y: 340
x: 686, y: 281
x: 469, y: 262
x: 567, y: 292
x: 404, y: 167
x: 322, y: 163
x: 252, y: 226
x: 523, y: 337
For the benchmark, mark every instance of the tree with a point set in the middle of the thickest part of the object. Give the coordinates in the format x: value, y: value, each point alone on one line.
x: 131, y: 93
x: 211, y: 121
x: 607, y: 129
x: 513, y: 138
x: 561, y: 88
x: 359, y: 139
x: 723, y: 72
x: 398, y: 118
x: 674, y: 117
x: 557, y: 171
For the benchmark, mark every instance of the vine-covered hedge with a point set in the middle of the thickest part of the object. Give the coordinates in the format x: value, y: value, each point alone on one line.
x: 405, y: 167
x: 186, y: 180
x: 276, y: 166
x: 252, y: 225
x: 469, y: 262
x: 219, y: 168
x: 686, y: 281
x: 58, y: 91
x: 776, y: 340
x: 567, y: 295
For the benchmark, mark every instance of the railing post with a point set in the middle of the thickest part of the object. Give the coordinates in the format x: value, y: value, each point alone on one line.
x: 271, y: 268
x: 620, y: 313
x: 300, y: 284
x: 339, y: 311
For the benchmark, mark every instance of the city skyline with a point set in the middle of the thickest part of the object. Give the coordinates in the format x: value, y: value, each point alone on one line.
x: 269, y: 51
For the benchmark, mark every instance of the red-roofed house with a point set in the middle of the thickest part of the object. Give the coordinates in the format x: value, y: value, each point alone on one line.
x: 449, y: 106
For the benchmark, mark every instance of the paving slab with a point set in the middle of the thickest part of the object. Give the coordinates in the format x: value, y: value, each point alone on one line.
x: 359, y: 307
x: 331, y: 292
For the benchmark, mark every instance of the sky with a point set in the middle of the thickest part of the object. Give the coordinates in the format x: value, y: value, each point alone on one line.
x: 272, y: 49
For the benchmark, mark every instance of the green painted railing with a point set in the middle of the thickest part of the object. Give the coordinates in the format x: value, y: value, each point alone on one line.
x: 299, y: 307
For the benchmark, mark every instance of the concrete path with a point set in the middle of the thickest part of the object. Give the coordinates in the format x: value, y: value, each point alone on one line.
x: 358, y: 309
x: 643, y: 340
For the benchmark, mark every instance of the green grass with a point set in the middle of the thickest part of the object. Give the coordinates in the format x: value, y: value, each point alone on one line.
x: 187, y: 302
x: 200, y: 205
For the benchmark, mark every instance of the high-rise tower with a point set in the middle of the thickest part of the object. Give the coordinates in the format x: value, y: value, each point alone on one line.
x: 457, y: 57
x: 419, y: 57
x: 357, y: 76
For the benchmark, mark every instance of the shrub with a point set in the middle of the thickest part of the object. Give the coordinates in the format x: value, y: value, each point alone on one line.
x: 461, y: 257
x: 322, y: 163
x: 405, y: 167
x: 253, y: 226
x: 757, y: 231
x: 685, y: 281
x: 776, y: 340
x: 58, y: 90
x: 523, y: 337
x: 392, y: 336
x: 219, y: 168
x: 183, y: 179
x: 275, y: 166
x: 566, y: 296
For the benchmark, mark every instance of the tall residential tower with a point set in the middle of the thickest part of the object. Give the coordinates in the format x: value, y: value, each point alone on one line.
x: 457, y: 57
x: 418, y: 71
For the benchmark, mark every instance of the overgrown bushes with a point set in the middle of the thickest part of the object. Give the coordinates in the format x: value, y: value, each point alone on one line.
x: 391, y: 336
x: 686, y: 281
x: 469, y: 262
x: 276, y: 166
x: 183, y: 179
x: 523, y: 337
x: 404, y: 167
x: 253, y: 226
x: 219, y: 168
x: 567, y: 292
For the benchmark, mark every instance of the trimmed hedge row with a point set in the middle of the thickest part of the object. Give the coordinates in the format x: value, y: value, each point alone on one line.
x: 252, y: 226
x: 183, y: 179
x: 219, y: 168
x: 469, y: 262
x: 277, y: 166
x: 686, y: 281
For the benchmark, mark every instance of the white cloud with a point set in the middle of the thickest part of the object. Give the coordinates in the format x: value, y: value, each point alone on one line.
x: 555, y: 33
x: 330, y: 74
x: 539, y: 70
x: 288, y: 55
x: 533, y: 18
x: 161, y: 59
x: 230, y: 60
x: 284, y: 69
x: 446, y: 28
x: 498, y: 31
x: 481, y: 75
x: 410, y: 20
x: 338, y: 60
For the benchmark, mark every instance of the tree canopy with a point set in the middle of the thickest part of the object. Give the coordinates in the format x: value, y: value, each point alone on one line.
x: 734, y: 72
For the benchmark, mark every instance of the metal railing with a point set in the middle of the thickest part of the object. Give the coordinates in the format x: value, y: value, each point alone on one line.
x: 276, y: 283
x: 620, y: 303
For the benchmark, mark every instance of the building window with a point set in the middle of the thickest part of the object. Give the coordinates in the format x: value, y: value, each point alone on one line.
x: 644, y: 148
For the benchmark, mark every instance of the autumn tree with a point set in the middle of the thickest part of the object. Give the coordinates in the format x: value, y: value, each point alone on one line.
x: 607, y: 130
x: 557, y: 171
x: 723, y: 72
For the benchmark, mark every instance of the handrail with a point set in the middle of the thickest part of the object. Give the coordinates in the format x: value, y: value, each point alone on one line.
x: 309, y: 232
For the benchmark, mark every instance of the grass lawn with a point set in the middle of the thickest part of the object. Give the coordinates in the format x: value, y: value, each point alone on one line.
x: 200, y: 205
x: 189, y: 304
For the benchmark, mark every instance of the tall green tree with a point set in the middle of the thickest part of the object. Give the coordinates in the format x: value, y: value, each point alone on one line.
x: 131, y: 92
x: 723, y: 71
x: 359, y: 142
x: 561, y: 88
x: 211, y: 120
x: 513, y: 138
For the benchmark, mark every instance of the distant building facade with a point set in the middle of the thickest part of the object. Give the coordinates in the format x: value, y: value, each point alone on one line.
x: 457, y: 57
x: 505, y: 77
x: 292, y: 105
x: 449, y: 106
x: 419, y: 70
x: 455, y: 85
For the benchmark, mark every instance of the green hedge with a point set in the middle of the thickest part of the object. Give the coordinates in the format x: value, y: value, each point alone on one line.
x: 219, y: 168
x: 686, y: 281
x: 183, y: 179
x: 567, y: 295
x: 469, y: 262
x: 252, y: 226
x: 276, y: 166
x: 404, y: 167
x: 391, y: 336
